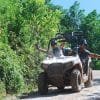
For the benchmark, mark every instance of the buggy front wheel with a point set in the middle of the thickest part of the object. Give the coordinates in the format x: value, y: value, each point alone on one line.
x: 42, y: 83
x: 76, y: 80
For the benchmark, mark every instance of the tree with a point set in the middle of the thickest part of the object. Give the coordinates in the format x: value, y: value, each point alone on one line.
x: 47, y: 1
x: 72, y: 18
x: 90, y: 27
x: 22, y: 24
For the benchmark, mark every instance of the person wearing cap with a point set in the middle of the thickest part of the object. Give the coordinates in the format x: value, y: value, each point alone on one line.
x: 85, y: 54
x: 56, y: 51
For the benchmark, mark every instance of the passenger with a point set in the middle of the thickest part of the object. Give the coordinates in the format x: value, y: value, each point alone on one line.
x: 84, y: 54
x: 66, y: 51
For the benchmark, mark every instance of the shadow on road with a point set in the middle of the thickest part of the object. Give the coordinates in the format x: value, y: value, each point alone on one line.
x: 51, y: 93
x: 94, y: 96
x: 96, y: 82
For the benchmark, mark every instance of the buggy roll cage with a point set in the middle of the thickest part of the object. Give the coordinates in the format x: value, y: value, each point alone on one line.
x: 74, y: 38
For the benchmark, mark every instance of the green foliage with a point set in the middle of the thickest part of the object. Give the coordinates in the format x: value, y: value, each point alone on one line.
x: 97, y: 65
x: 90, y: 26
x: 2, y: 90
x: 10, y: 69
x: 23, y: 23
x: 47, y: 1
x: 72, y: 18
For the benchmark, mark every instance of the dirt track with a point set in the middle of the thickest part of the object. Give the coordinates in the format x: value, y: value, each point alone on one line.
x: 92, y: 93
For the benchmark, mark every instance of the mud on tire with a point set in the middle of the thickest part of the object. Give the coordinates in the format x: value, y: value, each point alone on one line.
x: 90, y: 78
x: 76, y: 80
x: 42, y: 83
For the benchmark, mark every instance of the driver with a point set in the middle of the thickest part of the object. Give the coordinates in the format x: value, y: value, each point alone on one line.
x: 56, y: 51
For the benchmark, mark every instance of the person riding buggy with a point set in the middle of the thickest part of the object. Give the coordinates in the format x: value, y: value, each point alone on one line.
x: 85, y: 55
x: 83, y: 52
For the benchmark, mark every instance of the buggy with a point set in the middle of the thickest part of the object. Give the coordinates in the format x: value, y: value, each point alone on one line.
x: 64, y: 71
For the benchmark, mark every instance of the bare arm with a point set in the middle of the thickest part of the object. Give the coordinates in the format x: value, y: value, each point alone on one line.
x: 40, y: 49
x: 92, y: 55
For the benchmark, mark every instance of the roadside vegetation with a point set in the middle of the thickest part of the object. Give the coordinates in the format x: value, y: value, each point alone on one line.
x: 23, y: 23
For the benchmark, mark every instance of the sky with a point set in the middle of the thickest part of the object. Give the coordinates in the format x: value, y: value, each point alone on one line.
x: 87, y: 5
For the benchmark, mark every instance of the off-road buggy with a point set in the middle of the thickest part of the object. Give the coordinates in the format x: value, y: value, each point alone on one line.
x: 64, y: 71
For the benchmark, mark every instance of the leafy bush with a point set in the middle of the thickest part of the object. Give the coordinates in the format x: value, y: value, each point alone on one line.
x: 10, y: 69
x: 2, y: 90
x: 97, y: 65
x: 32, y: 59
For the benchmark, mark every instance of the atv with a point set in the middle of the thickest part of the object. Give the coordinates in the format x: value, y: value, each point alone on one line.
x: 64, y: 71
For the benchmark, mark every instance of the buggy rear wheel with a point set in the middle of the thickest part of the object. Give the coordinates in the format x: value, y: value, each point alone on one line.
x: 88, y: 83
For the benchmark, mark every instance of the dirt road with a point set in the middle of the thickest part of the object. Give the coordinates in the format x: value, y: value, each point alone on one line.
x: 92, y: 93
